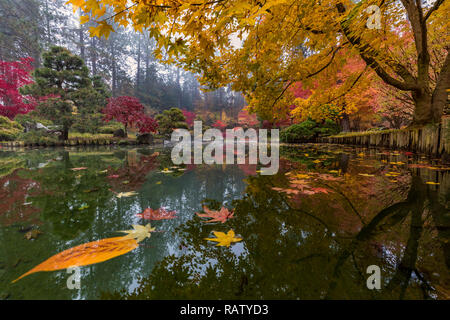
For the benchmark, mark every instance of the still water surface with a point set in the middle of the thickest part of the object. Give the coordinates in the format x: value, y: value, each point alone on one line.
x: 309, y: 232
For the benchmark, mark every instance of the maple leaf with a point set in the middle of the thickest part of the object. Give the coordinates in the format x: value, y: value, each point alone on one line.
x: 158, y: 214
x: 224, y: 239
x: 138, y: 232
x: 86, y: 254
x: 217, y: 216
x: 366, y: 175
x: 321, y: 190
x: 78, y: 169
x: 302, y: 176
x: 126, y: 194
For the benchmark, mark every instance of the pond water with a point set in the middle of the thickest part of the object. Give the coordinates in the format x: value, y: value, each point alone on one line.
x: 308, y: 232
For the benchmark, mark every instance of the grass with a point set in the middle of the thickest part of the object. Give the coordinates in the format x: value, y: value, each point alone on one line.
x: 364, y: 133
x: 73, y: 135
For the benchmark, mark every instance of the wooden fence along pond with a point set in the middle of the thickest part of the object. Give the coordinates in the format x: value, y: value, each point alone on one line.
x: 431, y: 140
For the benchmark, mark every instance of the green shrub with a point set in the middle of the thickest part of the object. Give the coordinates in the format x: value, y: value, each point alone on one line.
x: 31, y: 118
x: 38, y: 137
x: 110, y: 127
x: 88, y: 123
x: 9, y: 130
x: 328, y: 128
x: 300, y: 132
x: 307, y: 131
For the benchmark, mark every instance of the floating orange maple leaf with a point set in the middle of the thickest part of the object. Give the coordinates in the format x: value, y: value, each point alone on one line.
x: 217, y: 216
x: 86, y: 254
x: 78, y: 169
x: 157, y: 214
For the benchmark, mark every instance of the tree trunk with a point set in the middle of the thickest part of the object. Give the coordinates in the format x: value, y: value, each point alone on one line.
x: 64, y: 134
x: 345, y: 122
x: 138, y: 72
x: 422, y: 109
x: 94, y: 56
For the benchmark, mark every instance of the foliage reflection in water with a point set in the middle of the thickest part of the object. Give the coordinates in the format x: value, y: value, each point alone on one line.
x: 308, y: 232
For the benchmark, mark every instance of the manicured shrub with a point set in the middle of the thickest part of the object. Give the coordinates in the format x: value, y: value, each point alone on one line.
x: 307, y: 131
x: 9, y: 130
x: 39, y: 137
x: 300, y: 132
x: 110, y: 127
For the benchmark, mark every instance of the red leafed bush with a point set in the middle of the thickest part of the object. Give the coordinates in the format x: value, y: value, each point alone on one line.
x: 190, y: 116
x: 219, y: 125
x: 14, y: 75
x: 128, y: 111
x: 147, y: 124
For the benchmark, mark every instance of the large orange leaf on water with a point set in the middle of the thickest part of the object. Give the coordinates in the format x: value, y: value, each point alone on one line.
x: 86, y: 254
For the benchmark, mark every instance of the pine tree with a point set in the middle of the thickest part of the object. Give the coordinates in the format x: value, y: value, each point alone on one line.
x: 65, y: 78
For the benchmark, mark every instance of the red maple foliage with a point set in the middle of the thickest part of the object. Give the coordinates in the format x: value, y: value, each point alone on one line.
x: 146, y: 124
x: 129, y: 111
x: 157, y: 214
x: 190, y: 116
x: 246, y: 119
x: 217, y: 216
x: 219, y: 125
x: 14, y: 75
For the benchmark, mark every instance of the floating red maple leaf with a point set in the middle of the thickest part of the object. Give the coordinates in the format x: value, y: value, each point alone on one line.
x: 157, y: 214
x: 217, y: 216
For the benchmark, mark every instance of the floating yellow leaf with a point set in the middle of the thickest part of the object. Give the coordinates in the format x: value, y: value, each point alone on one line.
x: 86, y: 254
x: 126, y: 194
x: 139, y: 232
x: 85, y: 206
x: 366, y: 175
x: 432, y: 183
x: 224, y: 239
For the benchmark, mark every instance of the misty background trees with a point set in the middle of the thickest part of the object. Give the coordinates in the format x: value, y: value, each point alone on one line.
x: 125, y: 60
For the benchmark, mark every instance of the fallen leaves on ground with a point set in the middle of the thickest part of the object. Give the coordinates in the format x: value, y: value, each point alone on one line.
x: 224, y: 239
x: 217, y: 216
x: 157, y: 214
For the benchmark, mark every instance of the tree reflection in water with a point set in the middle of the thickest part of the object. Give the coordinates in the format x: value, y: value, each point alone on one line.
x: 296, y: 249
x: 294, y: 245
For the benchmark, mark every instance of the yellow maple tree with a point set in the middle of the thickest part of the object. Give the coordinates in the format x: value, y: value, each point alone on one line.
x: 263, y: 47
